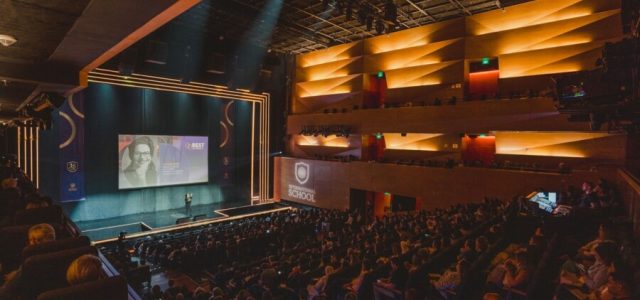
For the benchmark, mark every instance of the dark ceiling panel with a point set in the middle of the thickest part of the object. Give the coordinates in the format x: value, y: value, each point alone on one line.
x: 305, y: 25
x: 39, y: 26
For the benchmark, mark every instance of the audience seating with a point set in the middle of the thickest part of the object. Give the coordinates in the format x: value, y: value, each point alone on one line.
x: 46, y: 272
x: 51, y: 215
x: 13, y: 239
x: 112, y: 288
x: 55, y: 246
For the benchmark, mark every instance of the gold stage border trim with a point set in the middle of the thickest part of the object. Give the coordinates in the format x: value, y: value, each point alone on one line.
x: 260, y: 101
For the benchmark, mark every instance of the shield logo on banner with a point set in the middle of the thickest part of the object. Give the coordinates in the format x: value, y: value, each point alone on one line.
x: 72, y: 166
x: 302, y: 172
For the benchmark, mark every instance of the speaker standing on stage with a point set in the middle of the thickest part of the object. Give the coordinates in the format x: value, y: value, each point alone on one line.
x: 187, y: 203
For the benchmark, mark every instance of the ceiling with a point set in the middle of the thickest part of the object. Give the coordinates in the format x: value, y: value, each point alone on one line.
x: 39, y: 27
x: 307, y: 25
x: 59, y: 39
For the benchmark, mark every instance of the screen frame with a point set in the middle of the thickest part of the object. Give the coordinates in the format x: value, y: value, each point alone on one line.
x: 119, y: 171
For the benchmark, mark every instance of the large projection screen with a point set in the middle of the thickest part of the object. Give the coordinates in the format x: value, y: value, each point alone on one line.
x: 161, y: 160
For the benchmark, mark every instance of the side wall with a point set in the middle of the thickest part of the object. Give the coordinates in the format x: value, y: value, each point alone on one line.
x: 330, y: 182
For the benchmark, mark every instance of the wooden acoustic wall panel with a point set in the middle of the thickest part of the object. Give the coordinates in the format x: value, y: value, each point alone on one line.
x: 315, y: 96
x: 434, y: 74
x: 310, y: 146
x: 437, y: 187
x: 535, y: 13
x: 580, y: 30
x: 562, y: 144
x: 412, y: 141
x: 428, y: 54
x: 474, y: 116
x: 424, y: 95
x: 550, y: 61
x: 414, y: 37
x: 334, y: 69
x: 330, y: 54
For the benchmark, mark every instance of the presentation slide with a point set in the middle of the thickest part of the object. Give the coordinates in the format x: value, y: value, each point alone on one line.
x: 160, y: 160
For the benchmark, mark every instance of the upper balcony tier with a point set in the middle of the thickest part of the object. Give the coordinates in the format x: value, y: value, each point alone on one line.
x: 537, y: 114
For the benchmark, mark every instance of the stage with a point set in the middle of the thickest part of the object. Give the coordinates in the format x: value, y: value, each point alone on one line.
x: 167, y: 220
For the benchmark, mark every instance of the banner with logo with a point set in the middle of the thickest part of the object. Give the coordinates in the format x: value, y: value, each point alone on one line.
x: 71, y: 137
x: 302, y: 188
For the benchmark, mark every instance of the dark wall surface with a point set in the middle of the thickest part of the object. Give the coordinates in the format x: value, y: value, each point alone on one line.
x: 111, y: 110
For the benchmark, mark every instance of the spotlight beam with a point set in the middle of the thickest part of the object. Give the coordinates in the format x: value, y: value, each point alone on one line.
x: 253, y: 12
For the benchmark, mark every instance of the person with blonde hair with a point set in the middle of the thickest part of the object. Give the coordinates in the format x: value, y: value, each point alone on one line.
x: 41, y: 233
x: 83, y: 269
x: 37, y: 234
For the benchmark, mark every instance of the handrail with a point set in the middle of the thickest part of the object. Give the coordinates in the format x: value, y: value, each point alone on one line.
x: 631, y: 179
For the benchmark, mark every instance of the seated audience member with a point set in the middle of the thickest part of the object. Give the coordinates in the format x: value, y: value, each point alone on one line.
x: 451, y: 279
x: 83, y: 269
x: 365, y: 271
x: 397, y: 277
x: 41, y: 233
x: 468, y: 251
x: 38, y: 234
x: 491, y: 296
x: 604, y: 236
x: 10, y: 197
x: 618, y: 286
x: 481, y: 245
x: 37, y: 201
x: 592, y: 278
x: 517, y: 272
x: 317, y: 288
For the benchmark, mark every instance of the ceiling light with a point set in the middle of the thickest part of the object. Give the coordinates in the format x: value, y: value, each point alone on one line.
x: 7, y: 40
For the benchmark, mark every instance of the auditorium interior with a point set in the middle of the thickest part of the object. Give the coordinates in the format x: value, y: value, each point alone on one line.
x: 319, y: 149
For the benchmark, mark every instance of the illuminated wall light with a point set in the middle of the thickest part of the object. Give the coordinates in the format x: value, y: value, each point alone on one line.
x: 554, y: 144
x: 335, y: 91
x: 332, y: 54
x: 323, y: 76
x: 413, y: 141
x: 409, y: 38
x: 528, y: 14
x: 328, y: 70
x: 395, y: 65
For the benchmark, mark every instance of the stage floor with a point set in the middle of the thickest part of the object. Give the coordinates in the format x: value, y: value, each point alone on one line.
x: 108, y: 228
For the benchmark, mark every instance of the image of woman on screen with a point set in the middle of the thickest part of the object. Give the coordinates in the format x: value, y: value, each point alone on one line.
x: 141, y: 172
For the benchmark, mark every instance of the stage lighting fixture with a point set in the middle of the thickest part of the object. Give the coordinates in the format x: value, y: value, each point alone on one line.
x: 215, y: 63
x: 349, y: 12
x: 127, y: 63
x: 339, y: 7
x: 369, y: 23
x: 48, y: 100
x: 379, y: 26
x: 390, y: 11
x: 157, y: 52
x: 363, y: 12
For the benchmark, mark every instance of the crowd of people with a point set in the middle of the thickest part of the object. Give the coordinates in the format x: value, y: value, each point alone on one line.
x: 325, y: 254
x: 18, y: 192
x: 83, y: 269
